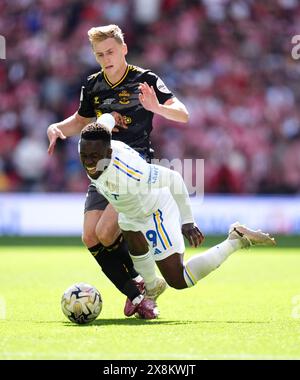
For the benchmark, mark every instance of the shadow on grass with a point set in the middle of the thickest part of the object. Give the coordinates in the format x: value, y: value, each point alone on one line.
x: 142, y: 322
x: 138, y: 322
x: 129, y: 322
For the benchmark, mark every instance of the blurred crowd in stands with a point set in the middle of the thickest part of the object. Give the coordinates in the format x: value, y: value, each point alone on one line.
x: 228, y: 61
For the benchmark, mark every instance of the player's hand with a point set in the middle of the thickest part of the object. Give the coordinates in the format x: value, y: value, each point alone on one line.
x: 148, y: 97
x: 53, y: 134
x: 193, y: 234
x: 120, y: 123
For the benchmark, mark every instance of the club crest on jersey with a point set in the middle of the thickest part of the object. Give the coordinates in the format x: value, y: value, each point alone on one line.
x: 124, y: 97
x: 112, y: 187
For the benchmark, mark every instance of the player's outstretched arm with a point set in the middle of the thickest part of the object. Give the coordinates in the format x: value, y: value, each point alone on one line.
x: 172, y: 109
x: 66, y: 128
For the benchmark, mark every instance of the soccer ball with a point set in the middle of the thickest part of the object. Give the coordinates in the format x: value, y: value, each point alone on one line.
x: 81, y: 303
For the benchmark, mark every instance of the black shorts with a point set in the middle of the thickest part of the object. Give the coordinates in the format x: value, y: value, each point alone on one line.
x: 94, y: 200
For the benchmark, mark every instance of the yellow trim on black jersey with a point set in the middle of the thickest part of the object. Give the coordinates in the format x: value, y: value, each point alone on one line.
x: 136, y: 68
x: 120, y: 81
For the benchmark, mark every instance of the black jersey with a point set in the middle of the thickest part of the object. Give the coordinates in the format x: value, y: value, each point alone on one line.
x: 100, y: 96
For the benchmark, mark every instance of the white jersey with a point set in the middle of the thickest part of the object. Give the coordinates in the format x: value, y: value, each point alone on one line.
x: 136, y: 188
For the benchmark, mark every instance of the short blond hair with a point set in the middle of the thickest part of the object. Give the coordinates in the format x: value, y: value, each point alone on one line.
x: 101, y: 33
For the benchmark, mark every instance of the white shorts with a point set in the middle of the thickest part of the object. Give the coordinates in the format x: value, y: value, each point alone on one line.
x: 162, y: 229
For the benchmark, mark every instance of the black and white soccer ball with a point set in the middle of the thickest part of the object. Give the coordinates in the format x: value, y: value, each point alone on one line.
x: 81, y: 303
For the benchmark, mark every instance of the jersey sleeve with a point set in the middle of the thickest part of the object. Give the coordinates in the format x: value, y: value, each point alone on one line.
x: 86, y: 108
x: 162, y: 92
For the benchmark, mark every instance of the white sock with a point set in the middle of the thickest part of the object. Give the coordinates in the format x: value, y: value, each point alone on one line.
x: 138, y: 299
x: 138, y: 278
x: 202, y: 264
x: 145, y: 266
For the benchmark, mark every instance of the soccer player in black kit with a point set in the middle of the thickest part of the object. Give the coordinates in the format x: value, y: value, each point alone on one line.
x: 132, y: 95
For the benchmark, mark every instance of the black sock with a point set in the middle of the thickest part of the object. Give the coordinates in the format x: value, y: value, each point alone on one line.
x: 120, y: 250
x: 115, y: 270
x: 98, y: 248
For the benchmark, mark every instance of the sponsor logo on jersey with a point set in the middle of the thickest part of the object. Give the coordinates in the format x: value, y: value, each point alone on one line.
x: 96, y: 99
x: 162, y: 87
x: 124, y: 97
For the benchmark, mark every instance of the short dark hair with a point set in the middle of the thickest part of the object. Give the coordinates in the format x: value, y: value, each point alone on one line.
x: 95, y: 131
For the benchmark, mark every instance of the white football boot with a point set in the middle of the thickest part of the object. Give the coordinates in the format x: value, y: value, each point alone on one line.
x: 249, y: 237
x: 159, y: 288
x: 153, y: 294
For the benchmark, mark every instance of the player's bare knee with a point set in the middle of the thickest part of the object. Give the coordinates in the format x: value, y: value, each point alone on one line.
x: 105, y: 236
x: 176, y: 281
x: 89, y: 239
x: 172, y: 270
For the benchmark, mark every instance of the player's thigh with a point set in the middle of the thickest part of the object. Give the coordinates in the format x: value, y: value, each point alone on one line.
x: 107, y: 228
x: 137, y: 244
x: 94, y: 207
x: 90, y: 220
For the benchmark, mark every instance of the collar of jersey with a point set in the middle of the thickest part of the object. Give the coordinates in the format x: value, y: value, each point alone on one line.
x: 120, y: 81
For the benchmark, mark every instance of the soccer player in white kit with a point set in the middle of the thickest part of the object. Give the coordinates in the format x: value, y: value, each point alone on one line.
x: 154, y: 201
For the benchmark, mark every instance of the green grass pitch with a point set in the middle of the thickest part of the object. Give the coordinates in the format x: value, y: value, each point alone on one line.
x: 246, y: 309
